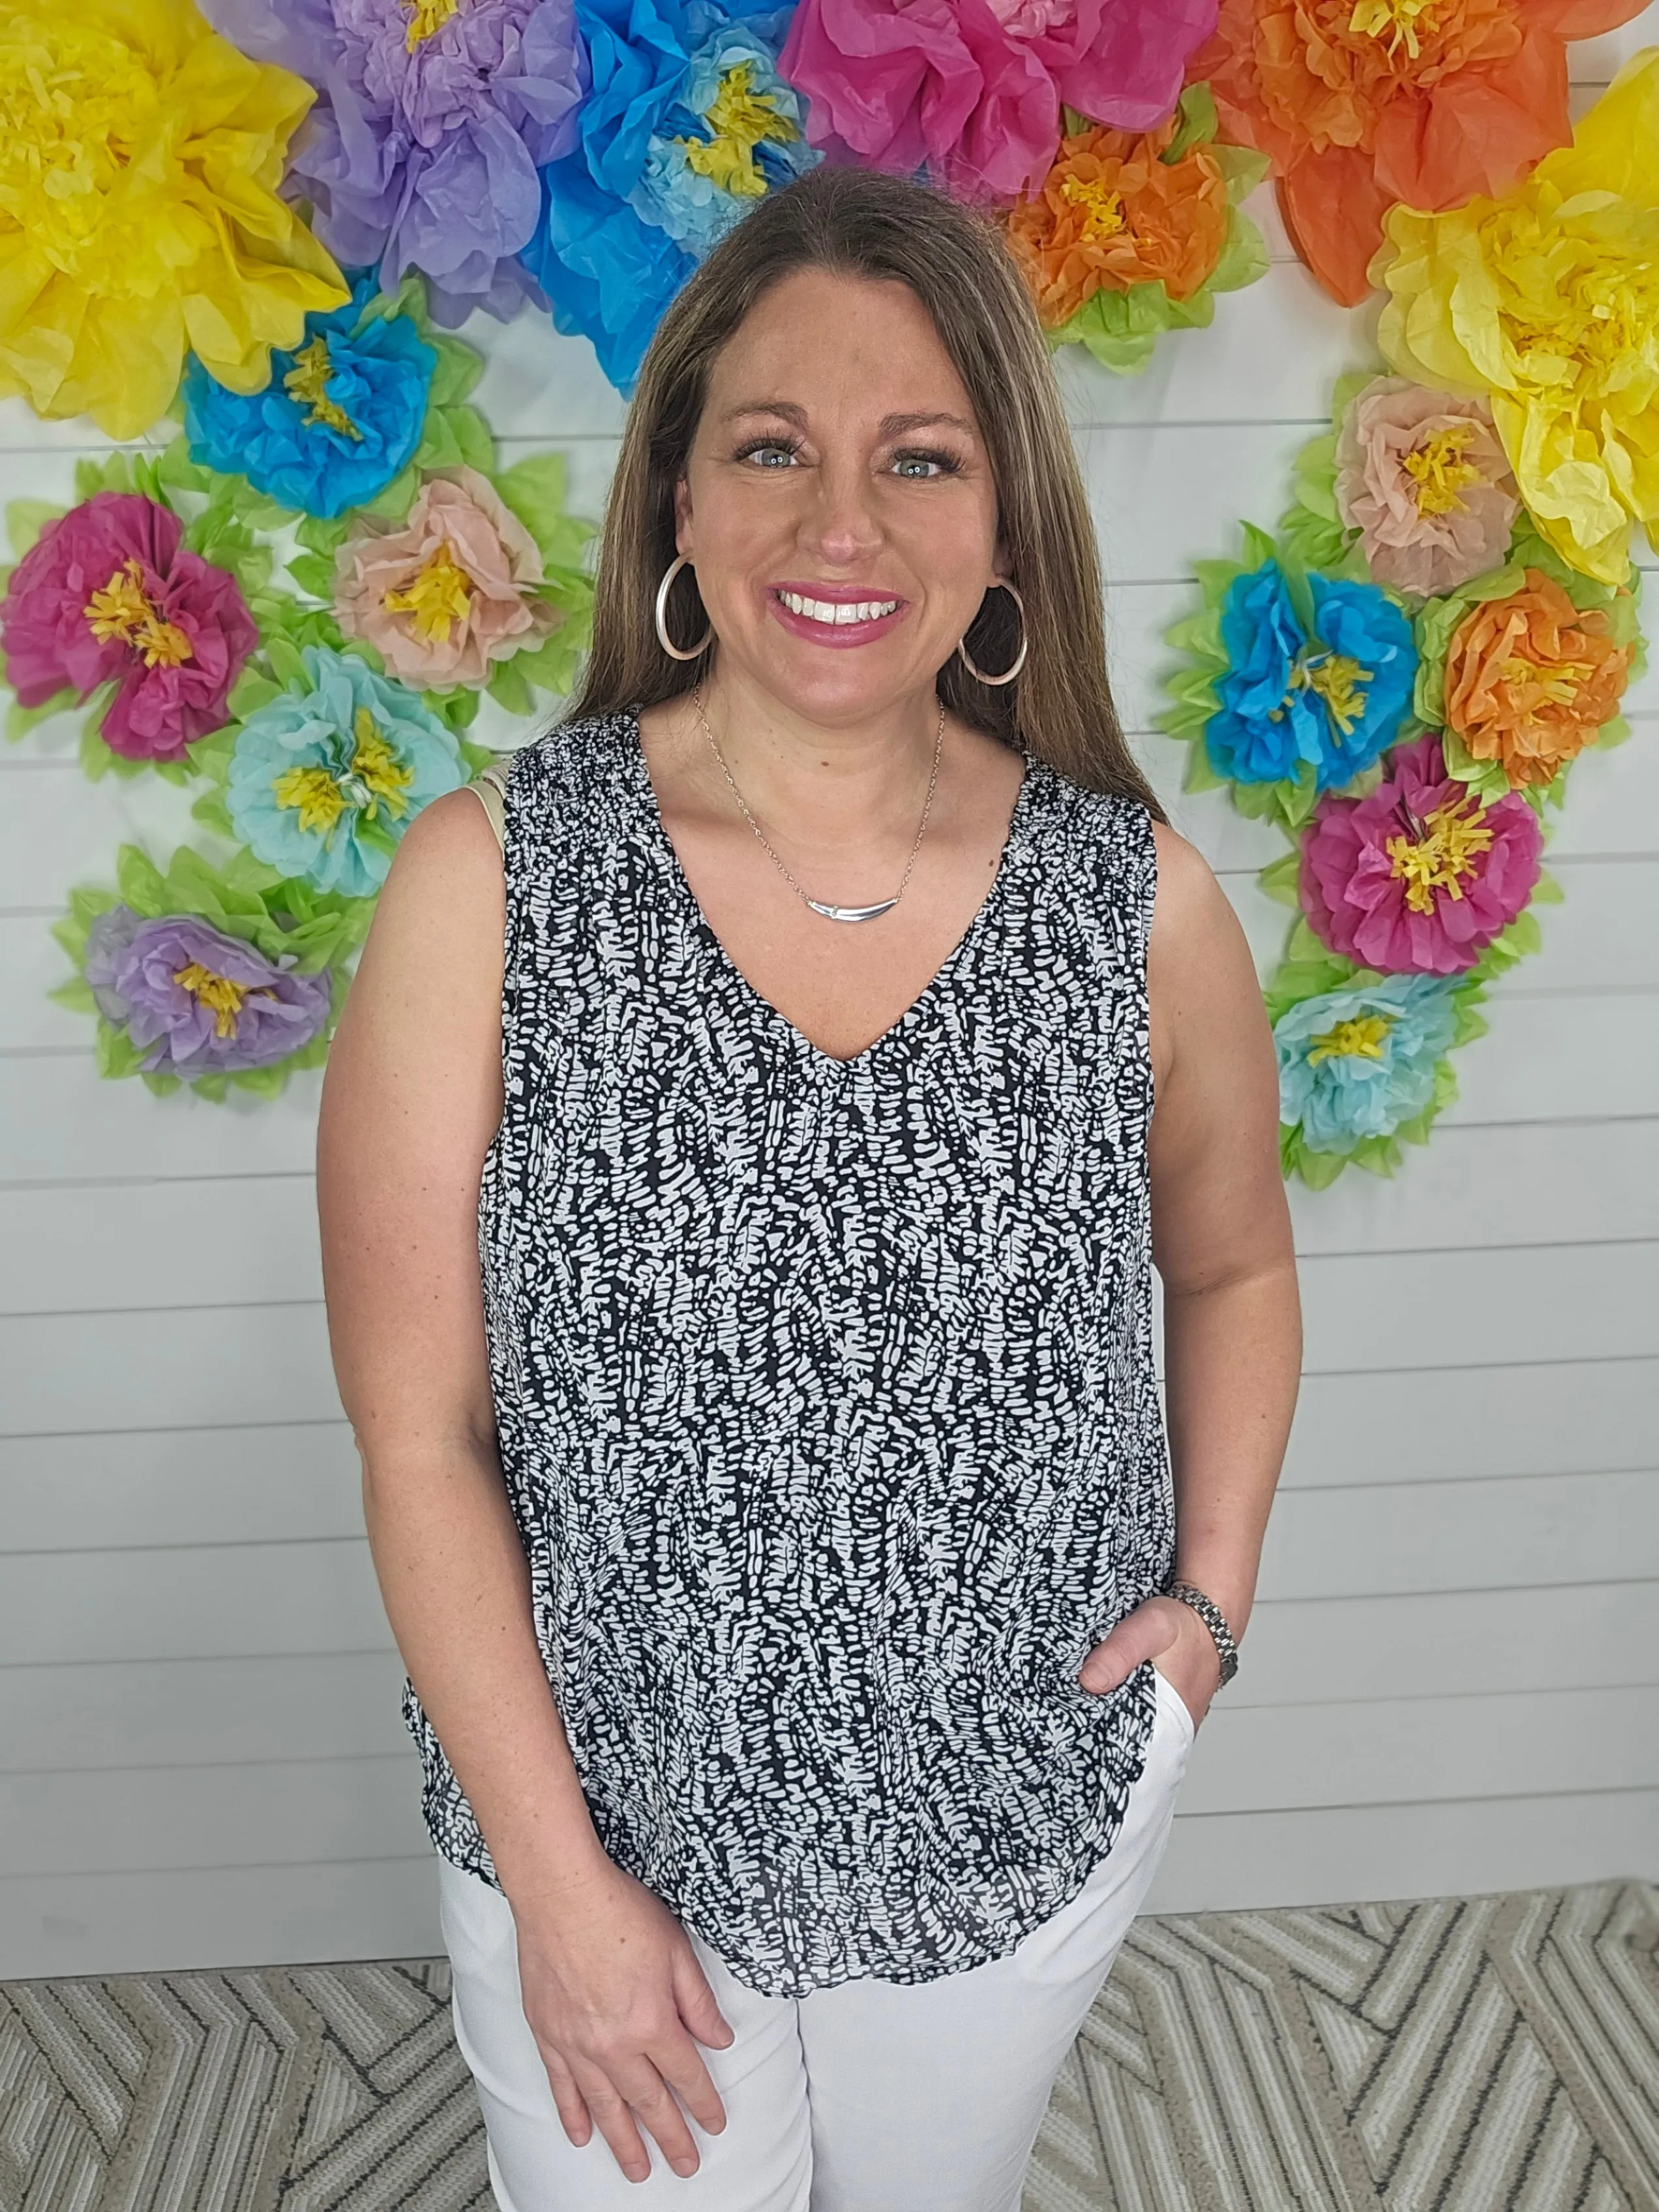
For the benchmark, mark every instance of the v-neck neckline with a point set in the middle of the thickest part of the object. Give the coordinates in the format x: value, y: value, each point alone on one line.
x: 758, y: 1004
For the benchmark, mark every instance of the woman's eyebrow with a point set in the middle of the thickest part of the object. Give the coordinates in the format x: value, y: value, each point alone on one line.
x: 895, y: 426
x: 787, y: 408
x: 891, y: 426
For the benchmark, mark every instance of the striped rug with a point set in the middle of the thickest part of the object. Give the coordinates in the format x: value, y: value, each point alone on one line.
x: 1474, y: 2054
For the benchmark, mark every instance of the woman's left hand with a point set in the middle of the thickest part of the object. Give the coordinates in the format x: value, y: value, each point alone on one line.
x: 1172, y: 1636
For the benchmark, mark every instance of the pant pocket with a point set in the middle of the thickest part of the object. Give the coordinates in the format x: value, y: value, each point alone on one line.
x: 1173, y: 1706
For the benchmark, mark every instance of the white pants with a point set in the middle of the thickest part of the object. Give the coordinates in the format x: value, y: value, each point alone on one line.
x: 873, y: 2096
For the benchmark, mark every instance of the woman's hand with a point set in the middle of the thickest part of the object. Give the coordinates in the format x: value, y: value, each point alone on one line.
x: 614, y: 1995
x: 1172, y: 1636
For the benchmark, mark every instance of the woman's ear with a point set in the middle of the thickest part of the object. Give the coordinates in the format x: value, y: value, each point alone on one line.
x: 682, y: 517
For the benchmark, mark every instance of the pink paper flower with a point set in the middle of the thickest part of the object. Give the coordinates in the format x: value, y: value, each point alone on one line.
x: 446, y: 593
x: 108, y: 594
x: 971, y: 89
x: 1423, y: 478
x: 1420, y: 878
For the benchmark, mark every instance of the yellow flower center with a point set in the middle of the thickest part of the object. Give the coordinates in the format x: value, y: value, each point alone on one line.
x: 741, y: 119
x: 1438, y: 471
x: 217, y: 993
x: 1362, y: 1039
x: 306, y: 384
x: 1102, y: 209
x: 1442, y: 855
x: 426, y: 16
x: 74, y: 105
x: 376, y: 779
x: 122, y: 610
x: 1396, y: 21
x: 1556, y: 682
x: 439, y: 596
x: 1337, y: 680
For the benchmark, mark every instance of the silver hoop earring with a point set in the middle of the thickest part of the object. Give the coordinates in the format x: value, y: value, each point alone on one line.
x: 978, y: 674
x: 663, y: 638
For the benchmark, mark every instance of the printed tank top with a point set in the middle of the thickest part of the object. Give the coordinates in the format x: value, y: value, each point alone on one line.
x: 824, y: 1389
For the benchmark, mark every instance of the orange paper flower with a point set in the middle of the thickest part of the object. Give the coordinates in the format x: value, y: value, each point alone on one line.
x: 1530, y: 679
x: 1360, y: 103
x: 1113, y: 214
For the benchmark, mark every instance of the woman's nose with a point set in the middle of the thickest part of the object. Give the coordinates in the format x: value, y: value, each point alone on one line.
x: 843, y: 525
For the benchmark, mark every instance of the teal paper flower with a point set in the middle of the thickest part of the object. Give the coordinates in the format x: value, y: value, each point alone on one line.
x: 1365, y: 1064
x: 325, y: 778
x: 746, y: 138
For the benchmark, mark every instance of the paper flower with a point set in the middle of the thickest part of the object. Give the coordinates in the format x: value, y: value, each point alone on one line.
x: 1547, y: 300
x: 1360, y: 1063
x: 433, y: 117
x: 217, y: 978
x: 685, y: 96
x: 108, y: 594
x: 445, y: 595
x: 744, y: 139
x: 1424, y: 102
x: 324, y: 781
x: 138, y: 210
x: 342, y: 416
x: 970, y: 90
x: 1419, y: 876
x: 1530, y: 678
x: 196, y: 1002
x: 1134, y: 235
x: 1315, y: 677
x: 1422, y: 478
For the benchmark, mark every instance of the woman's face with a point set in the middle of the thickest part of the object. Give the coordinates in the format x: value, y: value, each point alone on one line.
x: 838, y: 503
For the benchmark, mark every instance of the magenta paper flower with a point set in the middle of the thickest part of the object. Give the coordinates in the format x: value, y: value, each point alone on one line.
x: 108, y: 594
x: 445, y: 594
x: 1423, y: 478
x: 971, y: 89
x: 1420, y: 876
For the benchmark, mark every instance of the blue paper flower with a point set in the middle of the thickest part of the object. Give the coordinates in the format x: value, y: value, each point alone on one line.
x: 341, y: 416
x: 1333, y: 698
x: 324, y: 783
x: 1358, y: 1063
x: 687, y: 125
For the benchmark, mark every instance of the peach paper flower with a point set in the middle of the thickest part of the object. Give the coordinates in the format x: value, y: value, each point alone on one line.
x: 1363, y: 102
x: 1530, y: 679
x: 448, y: 592
x: 1113, y: 214
x: 1423, y: 478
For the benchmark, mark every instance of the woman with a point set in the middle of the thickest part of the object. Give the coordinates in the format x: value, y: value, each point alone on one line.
x: 739, y: 1209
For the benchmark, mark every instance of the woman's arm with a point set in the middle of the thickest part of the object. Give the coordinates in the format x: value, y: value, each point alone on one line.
x: 1221, y: 1241
x: 411, y: 1098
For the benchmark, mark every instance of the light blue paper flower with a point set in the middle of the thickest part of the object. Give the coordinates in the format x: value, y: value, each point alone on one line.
x: 341, y: 416
x: 738, y: 133
x: 624, y: 218
x: 324, y: 783
x: 1359, y: 1063
x: 1333, y: 698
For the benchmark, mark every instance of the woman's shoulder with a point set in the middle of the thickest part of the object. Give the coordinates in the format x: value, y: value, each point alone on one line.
x: 578, y: 755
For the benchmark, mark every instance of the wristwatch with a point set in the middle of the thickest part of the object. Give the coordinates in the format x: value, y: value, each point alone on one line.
x: 1210, y: 1613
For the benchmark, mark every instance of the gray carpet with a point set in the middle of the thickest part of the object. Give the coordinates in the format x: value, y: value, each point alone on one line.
x: 1481, y: 2054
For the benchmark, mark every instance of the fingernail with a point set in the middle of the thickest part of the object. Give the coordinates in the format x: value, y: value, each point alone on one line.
x: 685, y: 2166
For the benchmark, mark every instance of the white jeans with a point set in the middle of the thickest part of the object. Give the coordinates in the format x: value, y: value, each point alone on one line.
x: 873, y: 2096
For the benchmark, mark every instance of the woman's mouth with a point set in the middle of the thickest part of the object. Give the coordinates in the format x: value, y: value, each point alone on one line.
x: 834, y: 615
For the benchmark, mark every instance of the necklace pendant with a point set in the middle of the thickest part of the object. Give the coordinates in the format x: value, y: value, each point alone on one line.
x: 851, y: 912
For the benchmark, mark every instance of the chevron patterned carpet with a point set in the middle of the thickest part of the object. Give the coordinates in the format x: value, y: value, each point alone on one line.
x: 1477, y: 2054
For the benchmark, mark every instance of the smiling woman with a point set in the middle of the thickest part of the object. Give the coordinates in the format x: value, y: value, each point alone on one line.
x: 746, y: 1320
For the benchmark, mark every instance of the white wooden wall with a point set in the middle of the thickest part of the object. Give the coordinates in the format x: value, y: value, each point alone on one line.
x: 1450, y: 1682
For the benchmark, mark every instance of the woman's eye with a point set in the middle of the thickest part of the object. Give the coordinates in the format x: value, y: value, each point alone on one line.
x: 768, y: 456
x: 923, y: 465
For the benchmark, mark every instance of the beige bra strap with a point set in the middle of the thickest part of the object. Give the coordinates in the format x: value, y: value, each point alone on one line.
x: 490, y: 785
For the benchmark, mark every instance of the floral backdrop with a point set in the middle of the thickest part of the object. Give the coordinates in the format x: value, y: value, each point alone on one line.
x: 247, y: 237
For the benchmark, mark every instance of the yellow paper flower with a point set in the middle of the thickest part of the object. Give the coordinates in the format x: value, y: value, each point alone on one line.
x: 139, y: 160
x: 1547, y: 300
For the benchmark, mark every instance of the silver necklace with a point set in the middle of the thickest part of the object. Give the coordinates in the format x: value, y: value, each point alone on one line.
x: 819, y: 906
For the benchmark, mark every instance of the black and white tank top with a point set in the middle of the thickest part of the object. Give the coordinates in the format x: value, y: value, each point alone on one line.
x: 824, y: 1389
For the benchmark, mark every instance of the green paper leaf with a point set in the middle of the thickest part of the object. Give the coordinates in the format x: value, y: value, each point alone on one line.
x: 287, y: 666
x: 313, y: 573
x: 25, y: 519
x: 1195, y: 121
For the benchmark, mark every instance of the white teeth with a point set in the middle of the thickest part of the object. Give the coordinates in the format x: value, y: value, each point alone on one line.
x: 838, y: 610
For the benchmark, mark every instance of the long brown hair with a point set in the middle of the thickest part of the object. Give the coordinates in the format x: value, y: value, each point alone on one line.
x: 858, y: 222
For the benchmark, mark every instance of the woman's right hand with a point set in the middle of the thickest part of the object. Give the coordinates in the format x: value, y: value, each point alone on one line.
x: 614, y: 1994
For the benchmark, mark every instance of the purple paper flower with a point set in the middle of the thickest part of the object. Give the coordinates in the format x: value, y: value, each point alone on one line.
x: 433, y: 119
x: 108, y: 594
x: 204, y: 1003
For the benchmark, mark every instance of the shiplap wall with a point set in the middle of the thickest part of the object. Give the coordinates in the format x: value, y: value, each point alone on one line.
x: 1449, y: 1683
